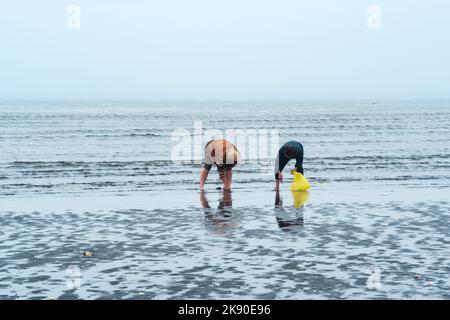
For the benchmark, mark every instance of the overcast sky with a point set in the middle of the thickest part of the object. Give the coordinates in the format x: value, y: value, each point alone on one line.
x: 225, y: 49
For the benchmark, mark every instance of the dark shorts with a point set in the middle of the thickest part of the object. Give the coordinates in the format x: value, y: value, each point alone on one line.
x: 219, y: 168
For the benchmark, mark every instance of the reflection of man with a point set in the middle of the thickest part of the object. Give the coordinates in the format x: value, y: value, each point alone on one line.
x: 284, y: 219
x: 278, y: 200
x: 204, y: 201
x: 222, y: 219
x: 226, y: 201
x: 290, y: 150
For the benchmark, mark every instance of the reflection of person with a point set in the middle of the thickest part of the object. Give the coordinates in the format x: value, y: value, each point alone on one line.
x: 225, y: 156
x: 290, y: 150
x: 278, y: 200
x: 285, y: 221
x: 226, y: 201
x: 222, y: 219
x: 204, y: 201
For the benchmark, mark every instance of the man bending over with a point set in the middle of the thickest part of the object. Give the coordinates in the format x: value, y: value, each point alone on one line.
x: 290, y: 150
x: 225, y: 156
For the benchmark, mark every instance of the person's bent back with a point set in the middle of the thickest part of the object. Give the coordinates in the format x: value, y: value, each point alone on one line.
x: 225, y: 156
x: 290, y: 150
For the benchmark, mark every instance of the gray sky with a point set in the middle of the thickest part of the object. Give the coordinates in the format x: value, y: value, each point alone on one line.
x: 225, y: 49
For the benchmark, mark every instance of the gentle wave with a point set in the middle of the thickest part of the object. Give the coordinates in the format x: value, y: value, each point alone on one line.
x: 73, y: 147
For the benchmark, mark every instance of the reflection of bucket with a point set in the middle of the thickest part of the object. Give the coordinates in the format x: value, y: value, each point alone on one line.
x: 300, y: 198
x: 300, y: 183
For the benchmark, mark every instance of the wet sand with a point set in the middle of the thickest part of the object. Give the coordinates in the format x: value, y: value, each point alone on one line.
x: 230, y: 246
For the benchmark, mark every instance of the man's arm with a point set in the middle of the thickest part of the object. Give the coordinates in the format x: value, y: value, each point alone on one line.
x: 207, y: 164
x: 280, y: 163
x: 203, y: 175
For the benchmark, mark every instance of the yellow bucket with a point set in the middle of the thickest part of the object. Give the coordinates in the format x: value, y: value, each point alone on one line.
x: 300, y: 183
x: 300, y: 198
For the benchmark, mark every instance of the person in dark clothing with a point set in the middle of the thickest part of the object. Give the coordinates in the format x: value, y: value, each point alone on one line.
x: 290, y: 150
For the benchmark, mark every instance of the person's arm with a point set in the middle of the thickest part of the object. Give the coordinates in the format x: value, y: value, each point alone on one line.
x: 280, y: 163
x: 203, y: 175
x: 277, y: 172
x: 207, y: 164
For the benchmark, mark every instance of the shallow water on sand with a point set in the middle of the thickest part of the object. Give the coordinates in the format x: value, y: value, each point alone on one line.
x: 98, y: 177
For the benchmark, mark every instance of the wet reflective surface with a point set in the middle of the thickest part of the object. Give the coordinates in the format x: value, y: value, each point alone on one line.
x: 375, y: 223
x: 230, y: 250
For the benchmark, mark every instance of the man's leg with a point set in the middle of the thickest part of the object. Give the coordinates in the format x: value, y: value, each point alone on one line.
x: 227, y: 179
x: 299, y: 162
